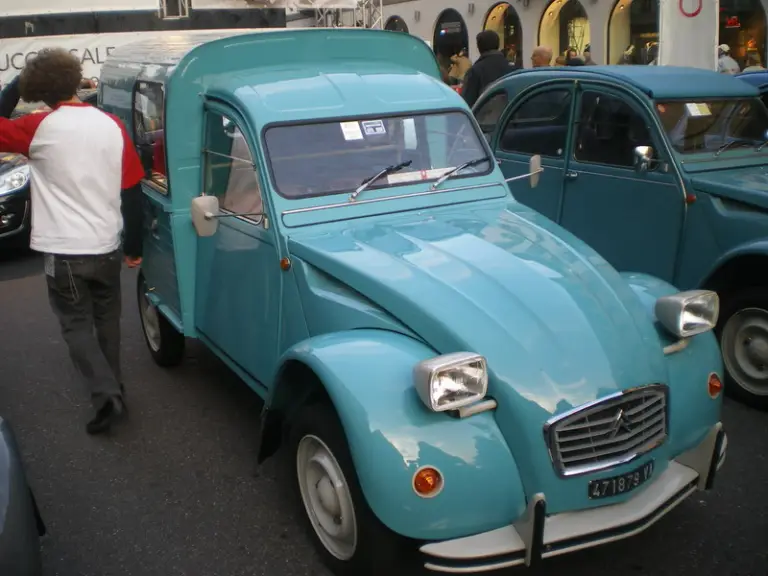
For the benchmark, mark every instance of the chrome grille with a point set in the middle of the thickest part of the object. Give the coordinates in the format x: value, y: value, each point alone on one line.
x: 608, y: 432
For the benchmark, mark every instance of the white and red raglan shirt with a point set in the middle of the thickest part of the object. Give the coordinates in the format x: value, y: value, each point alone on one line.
x: 80, y: 159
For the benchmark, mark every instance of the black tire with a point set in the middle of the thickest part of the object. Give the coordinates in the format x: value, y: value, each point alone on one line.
x: 378, y: 551
x: 742, y: 313
x: 165, y: 343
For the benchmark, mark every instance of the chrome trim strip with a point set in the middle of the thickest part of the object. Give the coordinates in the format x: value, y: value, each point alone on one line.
x: 678, y: 346
x: 385, y: 198
x: 590, y: 468
x: 477, y: 408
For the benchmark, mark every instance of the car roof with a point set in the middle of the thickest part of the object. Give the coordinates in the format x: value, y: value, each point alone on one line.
x: 656, y: 81
x: 758, y: 78
x: 338, y: 90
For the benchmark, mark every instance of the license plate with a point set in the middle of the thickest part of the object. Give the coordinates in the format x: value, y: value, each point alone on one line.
x: 621, y: 484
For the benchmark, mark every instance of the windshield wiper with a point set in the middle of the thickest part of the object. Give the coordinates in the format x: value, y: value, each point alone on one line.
x: 386, y: 172
x: 761, y: 146
x: 728, y: 144
x: 451, y: 173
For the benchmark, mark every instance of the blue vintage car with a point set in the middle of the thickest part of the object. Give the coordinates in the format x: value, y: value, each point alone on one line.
x: 452, y: 373
x: 660, y: 169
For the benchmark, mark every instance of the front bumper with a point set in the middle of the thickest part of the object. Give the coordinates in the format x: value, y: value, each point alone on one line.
x: 538, y: 536
x: 14, y: 213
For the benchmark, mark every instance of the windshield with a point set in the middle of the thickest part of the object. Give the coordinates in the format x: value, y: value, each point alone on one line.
x: 708, y: 126
x: 335, y: 157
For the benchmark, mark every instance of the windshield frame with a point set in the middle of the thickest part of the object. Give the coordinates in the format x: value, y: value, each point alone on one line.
x: 703, y: 156
x: 484, y: 145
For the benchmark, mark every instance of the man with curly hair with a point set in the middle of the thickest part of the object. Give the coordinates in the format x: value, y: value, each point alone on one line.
x: 85, y: 194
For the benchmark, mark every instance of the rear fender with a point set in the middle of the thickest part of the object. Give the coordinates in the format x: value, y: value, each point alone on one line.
x: 367, y: 376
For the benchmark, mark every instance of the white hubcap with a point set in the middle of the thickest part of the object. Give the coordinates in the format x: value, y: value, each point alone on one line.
x: 149, y: 320
x: 326, y: 497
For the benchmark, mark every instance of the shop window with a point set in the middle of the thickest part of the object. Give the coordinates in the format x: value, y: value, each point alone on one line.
x: 504, y: 20
x: 633, y: 32
x: 608, y: 131
x: 230, y: 173
x: 149, y: 127
x: 396, y: 24
x: 564, y: 26
x: 174, y: 8
x: 489, y: 113
x: 450, y: 38
x: 742, y: 27
x: 539, y: 125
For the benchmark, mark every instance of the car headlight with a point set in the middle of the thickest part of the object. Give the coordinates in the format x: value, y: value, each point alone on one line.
x: 451, y: 381
x: 686, y: 314
x: 14, y: 180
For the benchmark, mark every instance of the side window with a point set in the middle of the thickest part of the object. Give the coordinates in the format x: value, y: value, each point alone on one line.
x: 230, y: 173
x: 489, y: 113
x: 149, y: 127
x: 608, y: 131
x: 539, y: 125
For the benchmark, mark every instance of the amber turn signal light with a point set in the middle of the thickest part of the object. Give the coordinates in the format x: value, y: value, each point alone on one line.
x: 427, y: 482
x: 714, y: 385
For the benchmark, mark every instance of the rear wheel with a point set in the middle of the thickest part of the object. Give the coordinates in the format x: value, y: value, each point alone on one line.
x: 165, y: 343
x: 743, y: 333
x: 349, y: 537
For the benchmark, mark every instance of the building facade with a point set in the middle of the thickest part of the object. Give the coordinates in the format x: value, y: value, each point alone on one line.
x: 617, y: 31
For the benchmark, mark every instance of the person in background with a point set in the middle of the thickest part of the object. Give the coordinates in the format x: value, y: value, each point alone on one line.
x: 560, y: 61
x: 85, y: 176
x: 490, y: 66
x: 577, y: 61
x: 588, y: 56
x: 460, y: 64
x: 726, y: 64
x: 570, y: 53
x: 541, y: 57
x: 753, y: 62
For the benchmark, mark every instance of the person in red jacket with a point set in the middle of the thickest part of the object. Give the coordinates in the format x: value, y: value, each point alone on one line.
x: 86, y: 215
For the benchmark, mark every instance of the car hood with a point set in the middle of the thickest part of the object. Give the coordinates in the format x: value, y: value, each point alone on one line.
x: 558, y: 326
x: 747, y: 185
x: 10, y: 162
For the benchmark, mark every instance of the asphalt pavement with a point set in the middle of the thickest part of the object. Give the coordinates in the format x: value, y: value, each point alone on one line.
x: 175, y: 490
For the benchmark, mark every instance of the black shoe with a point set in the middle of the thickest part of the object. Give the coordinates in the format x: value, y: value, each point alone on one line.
x: 105, y: 417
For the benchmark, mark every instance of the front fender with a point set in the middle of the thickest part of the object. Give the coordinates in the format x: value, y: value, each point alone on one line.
x: 391, y: 434
x: 693, y: 412
x: 752, y: 248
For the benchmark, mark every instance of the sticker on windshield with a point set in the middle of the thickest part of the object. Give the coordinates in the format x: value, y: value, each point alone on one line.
x: 373, y: 127
x: 698, y: 109
x: 351, y: 130
x: 402, y: 177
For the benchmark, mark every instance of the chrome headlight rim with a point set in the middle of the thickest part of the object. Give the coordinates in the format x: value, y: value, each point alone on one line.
x: 425, y: 372
x: 704, y: 305
x: 21, y: 177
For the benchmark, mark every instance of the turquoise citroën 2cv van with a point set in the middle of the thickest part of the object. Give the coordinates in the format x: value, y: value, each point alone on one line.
x: 452, y: 373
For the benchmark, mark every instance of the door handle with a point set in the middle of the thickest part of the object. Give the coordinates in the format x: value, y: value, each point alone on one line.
x: 571, y: 175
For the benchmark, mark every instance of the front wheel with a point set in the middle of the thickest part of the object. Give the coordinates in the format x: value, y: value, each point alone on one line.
x: 350, y: 539
x: 165, y: 343
x: 743, y: 334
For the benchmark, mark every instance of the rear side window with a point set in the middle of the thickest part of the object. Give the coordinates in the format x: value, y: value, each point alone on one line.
x: 490, y: 111
x: 539, y: 125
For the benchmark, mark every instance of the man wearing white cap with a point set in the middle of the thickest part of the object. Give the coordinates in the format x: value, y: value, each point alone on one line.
x: 726, y: 64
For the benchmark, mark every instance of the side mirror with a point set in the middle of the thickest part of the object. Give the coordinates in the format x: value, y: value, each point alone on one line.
x: 643, y: 158
x: 535, y: 170
x: 204, y: 212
